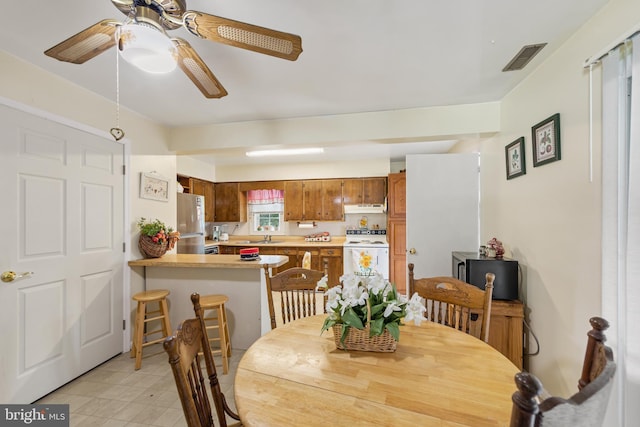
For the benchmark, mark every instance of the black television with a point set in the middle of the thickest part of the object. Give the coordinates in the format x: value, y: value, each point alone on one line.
x: 472, y: 268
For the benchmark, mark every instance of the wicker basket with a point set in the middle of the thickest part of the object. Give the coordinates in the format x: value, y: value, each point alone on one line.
x: 359, y: 339
x: 150, y: 249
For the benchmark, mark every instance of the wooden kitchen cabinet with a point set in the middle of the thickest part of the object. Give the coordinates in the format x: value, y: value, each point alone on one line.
x: 229, y: 250
x: 326, y: 259
x: 397, y: 236
x: 397, y: 199
x: 397, y: 230
x: 294, y: 259
x: 293, y: 204
x: 209, y: 202
x: 313, y: 200
x: 358, y: 191
x: 332, y: 206
x: 506, y: 329
x: 331, y: 263
x: 186, y: 183
x: 230, y: 203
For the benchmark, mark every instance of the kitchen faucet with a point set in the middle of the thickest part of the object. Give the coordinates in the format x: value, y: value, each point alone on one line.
x: 267, y: 237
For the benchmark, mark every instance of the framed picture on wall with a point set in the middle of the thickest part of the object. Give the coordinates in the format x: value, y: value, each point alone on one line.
x: 154, y: 187
x: 545, y: 137
x: 514, y: 156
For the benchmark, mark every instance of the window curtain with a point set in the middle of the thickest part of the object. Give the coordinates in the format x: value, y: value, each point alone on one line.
x: 265, y: 197
x: 621, y: 224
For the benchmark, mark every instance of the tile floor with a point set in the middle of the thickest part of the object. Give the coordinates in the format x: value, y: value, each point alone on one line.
x: 114, y: 394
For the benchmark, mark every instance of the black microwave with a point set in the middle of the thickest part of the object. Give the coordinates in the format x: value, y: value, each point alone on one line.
x: 472, y: 268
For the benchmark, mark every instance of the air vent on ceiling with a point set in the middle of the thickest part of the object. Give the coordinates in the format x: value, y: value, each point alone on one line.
x: 523, y: 57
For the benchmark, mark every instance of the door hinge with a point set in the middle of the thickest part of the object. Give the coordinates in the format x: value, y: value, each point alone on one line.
x: 124, y: 324
x: 124, y: 247
x: 124, y: 169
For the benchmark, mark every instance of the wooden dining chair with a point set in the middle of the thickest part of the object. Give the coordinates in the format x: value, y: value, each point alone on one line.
x: 184, y: 350
x: 219, y: 399
x: 587, y: 407
x: 454, y: 303
x: 296, y: 289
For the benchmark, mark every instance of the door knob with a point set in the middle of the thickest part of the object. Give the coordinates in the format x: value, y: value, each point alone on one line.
x: 412, y: 251
x: 10, y: 276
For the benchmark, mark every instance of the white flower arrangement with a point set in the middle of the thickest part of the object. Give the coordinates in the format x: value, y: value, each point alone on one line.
x: 347, y: 305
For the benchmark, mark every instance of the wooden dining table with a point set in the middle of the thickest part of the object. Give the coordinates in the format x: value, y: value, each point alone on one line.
x: 438, y: 376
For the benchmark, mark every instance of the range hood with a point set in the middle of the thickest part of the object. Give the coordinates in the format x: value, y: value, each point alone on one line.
x: 364, y: 209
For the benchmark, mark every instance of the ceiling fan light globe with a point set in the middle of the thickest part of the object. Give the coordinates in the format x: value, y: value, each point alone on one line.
x: 146, y: 48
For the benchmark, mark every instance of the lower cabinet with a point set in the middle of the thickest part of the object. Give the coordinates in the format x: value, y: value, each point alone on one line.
x: 326, y: 259
x: 295, y: 259
x: 331, y: 264
x: 506, y: 330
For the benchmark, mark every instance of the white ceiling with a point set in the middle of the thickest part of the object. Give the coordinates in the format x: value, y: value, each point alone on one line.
x: 358, y: 55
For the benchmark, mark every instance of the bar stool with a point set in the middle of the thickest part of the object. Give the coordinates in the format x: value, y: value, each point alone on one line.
x: 143, y: 316
x: 217, y: 320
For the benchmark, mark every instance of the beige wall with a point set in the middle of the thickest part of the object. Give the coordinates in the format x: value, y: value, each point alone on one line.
x: 550, y: 218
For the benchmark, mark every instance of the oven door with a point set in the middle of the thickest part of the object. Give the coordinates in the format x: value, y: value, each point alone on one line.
x: 366, y: 260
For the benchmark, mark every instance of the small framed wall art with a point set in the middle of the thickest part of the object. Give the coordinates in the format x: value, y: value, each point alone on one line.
x: 545, y: 138
x: 154, y: 187
x: 514, y: 156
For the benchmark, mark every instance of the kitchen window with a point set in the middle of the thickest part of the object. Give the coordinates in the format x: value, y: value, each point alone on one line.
x: 266, y: 209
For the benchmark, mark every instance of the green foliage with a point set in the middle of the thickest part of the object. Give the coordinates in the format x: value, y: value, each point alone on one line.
x: 152, y: 228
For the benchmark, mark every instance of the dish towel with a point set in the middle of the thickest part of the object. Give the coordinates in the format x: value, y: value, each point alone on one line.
x: 306, y: 260
x: 362, y: 262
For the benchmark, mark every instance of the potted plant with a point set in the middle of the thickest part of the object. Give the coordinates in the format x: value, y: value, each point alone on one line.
x: 155, y: 238
x: 365, y: 312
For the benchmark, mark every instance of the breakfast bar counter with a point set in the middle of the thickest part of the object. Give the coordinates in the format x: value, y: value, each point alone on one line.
x: 210, y: 261
x: 242, y: 281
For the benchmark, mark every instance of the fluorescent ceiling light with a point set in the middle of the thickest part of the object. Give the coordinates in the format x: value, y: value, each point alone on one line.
x: 284, y: 152
x: 147, y: 48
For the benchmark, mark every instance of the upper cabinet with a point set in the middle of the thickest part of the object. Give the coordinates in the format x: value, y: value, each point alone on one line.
x: 313, y: 200
x: 293, y: 204
x: 231, y: 203
x: 202, y: 188
x: 332, y: 206
x: 358, y: 191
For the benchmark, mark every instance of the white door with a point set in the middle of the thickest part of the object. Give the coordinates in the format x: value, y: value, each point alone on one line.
x: 442, y: 210
x: 61, y: 217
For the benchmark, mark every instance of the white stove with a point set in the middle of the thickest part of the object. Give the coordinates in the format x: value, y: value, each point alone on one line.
x: 366, y: 252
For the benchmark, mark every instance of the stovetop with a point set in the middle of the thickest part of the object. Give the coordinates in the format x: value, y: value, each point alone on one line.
x: 366, y: 237
x: 366, y: 232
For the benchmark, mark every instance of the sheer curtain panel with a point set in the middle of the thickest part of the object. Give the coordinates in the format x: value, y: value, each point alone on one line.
x: 621, y: 223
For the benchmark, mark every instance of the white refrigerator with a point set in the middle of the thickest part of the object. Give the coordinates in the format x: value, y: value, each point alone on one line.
x: 190, y: 224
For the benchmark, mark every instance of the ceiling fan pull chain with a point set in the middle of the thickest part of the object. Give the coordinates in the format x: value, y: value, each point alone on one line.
x: 117, y: 132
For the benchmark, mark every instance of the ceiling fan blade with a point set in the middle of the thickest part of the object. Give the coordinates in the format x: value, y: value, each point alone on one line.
x: 195, y: 68
x: 247, y: 36
x: 86, y: 44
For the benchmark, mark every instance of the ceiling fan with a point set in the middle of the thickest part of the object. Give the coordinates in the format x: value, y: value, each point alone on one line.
x: 153, y: 17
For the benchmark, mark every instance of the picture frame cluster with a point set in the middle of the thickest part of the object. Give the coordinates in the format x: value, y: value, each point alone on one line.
x: 545, y: 147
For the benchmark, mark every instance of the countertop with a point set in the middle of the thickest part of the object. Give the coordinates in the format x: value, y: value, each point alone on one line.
x: 281, y: 241
x: 210, y: 261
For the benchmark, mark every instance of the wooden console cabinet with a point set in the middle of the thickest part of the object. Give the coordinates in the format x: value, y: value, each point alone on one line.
x: 506, y: 330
